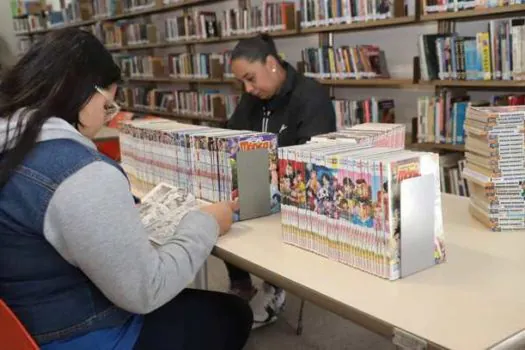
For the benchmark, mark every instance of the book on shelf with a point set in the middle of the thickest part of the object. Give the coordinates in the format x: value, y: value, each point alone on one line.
x: 162, y: 209
x: 315, y: 13
x: 495, y: 168
x: 441, y: 118
x: 372, y: 110
x: 26, y: 7
x: 31, y: 23
x: 267, y: 17
x: 114, y: 34
x: 345, y: 62
x: 140, y: 66
x: 210, y: 104
x: 198, y: 25
x: 451, y: 167
x: 141, y: 5
x: 196, y: 66
x: 435, y: 6
x: 343, y: 201
x: 107, y: 8
x: 494, y: 54
x: 210, y: 163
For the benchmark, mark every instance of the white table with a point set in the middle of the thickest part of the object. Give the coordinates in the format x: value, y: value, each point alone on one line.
x: 473, y: 301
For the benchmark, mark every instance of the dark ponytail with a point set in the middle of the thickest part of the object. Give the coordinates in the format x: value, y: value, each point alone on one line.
x: 256, y: 49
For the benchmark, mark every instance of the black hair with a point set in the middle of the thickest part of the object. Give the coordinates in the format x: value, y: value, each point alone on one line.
x: 55, y: 78
x: 256, y: 49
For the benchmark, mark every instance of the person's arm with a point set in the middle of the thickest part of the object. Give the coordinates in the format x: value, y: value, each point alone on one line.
x: 92, y: 221
x: 317, y: 116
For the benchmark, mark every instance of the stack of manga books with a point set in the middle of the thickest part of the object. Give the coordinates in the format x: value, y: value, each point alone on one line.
x: 377, y: 134
x: 495, y: 169
x: 213, y: 164
x: 343, y: 201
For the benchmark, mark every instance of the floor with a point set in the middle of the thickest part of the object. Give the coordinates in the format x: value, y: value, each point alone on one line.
x: 322, y: 329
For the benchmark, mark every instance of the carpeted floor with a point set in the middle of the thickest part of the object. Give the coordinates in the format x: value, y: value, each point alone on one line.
x: 322, y: 329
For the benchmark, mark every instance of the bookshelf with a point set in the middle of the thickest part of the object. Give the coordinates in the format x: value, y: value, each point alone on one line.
x: 443, y: 19
x: 475, y: 14
x: 175, y: 116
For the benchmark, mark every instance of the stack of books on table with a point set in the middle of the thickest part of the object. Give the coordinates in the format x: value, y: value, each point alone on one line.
x: 211, y: 163
x: 344, y: 201
x: 495, y: 170
x: 377, y: 134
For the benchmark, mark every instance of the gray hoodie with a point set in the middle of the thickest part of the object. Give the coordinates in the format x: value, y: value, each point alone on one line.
x: 93, y: 223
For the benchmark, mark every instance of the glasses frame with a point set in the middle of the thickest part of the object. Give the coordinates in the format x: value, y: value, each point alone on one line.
x: 108, y: 115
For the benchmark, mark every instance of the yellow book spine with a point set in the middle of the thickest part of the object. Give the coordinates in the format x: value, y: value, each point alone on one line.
x: 483, y: 39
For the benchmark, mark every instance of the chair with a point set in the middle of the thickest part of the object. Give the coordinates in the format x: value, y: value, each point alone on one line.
x: 12, y: 333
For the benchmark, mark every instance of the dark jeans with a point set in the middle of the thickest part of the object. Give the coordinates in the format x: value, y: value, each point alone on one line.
x: 236, y: 274
x: 197, y: 320
x: 239, y: 275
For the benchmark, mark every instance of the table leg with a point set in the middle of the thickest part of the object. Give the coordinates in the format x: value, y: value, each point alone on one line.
x: 299, y: 330
x: 201, y: 278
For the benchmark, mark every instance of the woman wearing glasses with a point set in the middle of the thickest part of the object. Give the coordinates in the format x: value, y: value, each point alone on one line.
x: 76, y: 266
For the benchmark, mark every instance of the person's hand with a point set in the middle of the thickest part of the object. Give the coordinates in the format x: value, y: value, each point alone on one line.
x: 223, y: 213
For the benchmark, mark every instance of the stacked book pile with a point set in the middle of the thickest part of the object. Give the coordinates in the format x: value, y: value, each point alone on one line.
x: 343, y: 201
x: 213, y: 164
x: 495, y: 170
x: 376, y: 134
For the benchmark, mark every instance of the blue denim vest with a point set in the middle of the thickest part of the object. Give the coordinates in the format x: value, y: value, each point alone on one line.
x: 52, y: 298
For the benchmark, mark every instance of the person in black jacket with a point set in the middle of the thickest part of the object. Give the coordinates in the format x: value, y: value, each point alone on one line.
x: 279, y: 100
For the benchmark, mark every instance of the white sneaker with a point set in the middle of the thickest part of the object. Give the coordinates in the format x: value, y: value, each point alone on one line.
x: 267, y: 304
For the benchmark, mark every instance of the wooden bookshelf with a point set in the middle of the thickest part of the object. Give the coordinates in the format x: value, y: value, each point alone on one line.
x: 159, y: 9
x: 370, y: 83
x: 171, y: 115
x: 275, y: 34
x: 428, y: 146
x: 389, y: 22
x: 168, y: 80
x: 479, y: 84
x: 481, y: 13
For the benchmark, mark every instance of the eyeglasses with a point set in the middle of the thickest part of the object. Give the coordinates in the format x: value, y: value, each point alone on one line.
x: 111, y: 108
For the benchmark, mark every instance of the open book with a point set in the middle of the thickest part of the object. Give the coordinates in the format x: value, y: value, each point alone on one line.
x: 163, y: 208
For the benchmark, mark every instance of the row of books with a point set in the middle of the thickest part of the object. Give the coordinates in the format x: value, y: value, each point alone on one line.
x: 343, y: 200
x: 181, y: 102
x: 495, y: 54
x: 183, y: 65
x: 436, y: 6
x: 315, y: 13
x: 495, y: 169
x: 31, y: 23
x: 358, y: 62
x: 26, y: 7
x: 441, y: 118
x: 451, y: 167
x: 123, y: 33
x: 198, y: 25
x: 267, y: 17
x: 213, y: 164
x: 372, y: 110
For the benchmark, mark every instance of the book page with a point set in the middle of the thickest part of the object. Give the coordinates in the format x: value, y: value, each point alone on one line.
x: 163, y: 208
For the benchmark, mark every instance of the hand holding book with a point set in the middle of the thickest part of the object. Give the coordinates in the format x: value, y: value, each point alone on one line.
x: 223, y: 213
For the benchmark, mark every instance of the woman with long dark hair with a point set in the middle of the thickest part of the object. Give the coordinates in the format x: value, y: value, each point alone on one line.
x: 76, y: 266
